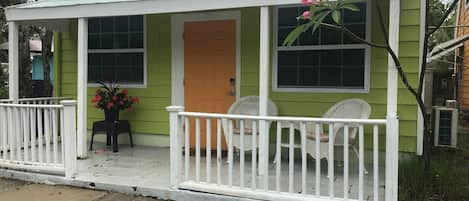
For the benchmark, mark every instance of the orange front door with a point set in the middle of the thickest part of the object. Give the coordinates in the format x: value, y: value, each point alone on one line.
x: 209, y: 71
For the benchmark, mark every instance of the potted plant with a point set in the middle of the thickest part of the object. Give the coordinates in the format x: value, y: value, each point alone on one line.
x: 112, y: 100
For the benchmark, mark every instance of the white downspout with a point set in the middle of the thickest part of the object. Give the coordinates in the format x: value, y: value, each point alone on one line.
x: 82, y: 81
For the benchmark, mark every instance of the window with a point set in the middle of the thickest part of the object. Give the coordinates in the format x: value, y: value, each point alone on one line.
x: 116, y: 50
x: 327, y: 60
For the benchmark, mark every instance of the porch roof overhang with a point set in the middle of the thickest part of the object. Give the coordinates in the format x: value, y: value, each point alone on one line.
x: 72, y: 9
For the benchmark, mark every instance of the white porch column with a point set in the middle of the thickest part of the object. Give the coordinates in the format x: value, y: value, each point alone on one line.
x: 264, y: 50
x: 13, y: 61
x: 82, y: 85
x: 392, y: 126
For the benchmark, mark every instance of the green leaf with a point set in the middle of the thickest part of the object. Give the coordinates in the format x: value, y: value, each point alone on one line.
x: 293, y: 35
x: 351, y: 7
x: 336, y: 16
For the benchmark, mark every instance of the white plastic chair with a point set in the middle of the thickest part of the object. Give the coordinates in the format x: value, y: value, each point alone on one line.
x: 248, y: 105
x: 346, y: 109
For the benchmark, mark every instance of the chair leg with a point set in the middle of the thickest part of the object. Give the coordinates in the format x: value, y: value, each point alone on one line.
x: 92, y: 139
x: 358, y: 157
x: 130, y: 135
x: 114, y: 142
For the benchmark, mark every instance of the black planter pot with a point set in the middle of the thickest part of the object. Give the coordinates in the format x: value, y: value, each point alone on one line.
x: 111, y: 115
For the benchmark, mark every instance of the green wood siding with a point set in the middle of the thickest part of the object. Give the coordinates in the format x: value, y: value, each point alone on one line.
x: 150, y: 116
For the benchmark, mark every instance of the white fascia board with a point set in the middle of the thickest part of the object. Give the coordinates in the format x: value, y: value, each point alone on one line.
x: 132, y: 8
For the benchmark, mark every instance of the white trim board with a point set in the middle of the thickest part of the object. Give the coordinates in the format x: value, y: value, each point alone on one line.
x: 177, y: 48
x: 16, y: 13
x: 276, y: 48
x: 420, y: 126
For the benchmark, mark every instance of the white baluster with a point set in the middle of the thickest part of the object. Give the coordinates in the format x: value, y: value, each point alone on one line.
x: 208, y: 154
x: 47, y: 133
x: 318, y: 158
x: 55, y: 135
x: 4, y: 121
x: 241, y: 149
x: 291, y: 159
x: 330, y: 163
x: 361, y: 162
x: 230, y: 153
x: 32, y: 115
x: 18, y: 133
x: 26, y: 140
x: 375, y: 162
x: 346, y: 163
x: 11, y: 133
x: 40, y: 124
x: 219, y: 151
x: 304, y: 161
x: 278, y: 161
x: 186, y: 148
x: 197, y: 149
x: 254, y: 156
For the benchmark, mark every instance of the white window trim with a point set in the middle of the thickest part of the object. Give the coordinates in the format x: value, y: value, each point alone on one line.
x: 276, y: 48
x: 129, y: 50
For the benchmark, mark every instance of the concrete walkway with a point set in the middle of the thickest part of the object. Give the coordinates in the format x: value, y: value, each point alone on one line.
x: 13, y: 190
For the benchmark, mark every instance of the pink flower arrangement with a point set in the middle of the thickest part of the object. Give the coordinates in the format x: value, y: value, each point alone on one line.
x: 309, y: 2
x: 110, y: 97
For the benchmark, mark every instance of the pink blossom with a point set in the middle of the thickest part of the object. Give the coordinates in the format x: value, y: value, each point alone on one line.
x: 131, y: 108
x: 109, y: 105
x: 306, y: 15
x: 309, y: 2
x: 114, y: 98
x: 121, y: 102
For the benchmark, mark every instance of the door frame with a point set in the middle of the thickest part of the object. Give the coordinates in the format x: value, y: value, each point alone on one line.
x: 177, y: 48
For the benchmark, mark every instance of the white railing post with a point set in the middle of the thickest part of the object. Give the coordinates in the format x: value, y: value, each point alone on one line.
x: 82, y: 80
x: 175, y: 129
x: 13, y: 61
x: 70, y: 137
x: 392, y: 158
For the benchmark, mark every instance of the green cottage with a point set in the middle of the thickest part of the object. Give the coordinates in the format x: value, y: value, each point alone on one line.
x: 190, y: 61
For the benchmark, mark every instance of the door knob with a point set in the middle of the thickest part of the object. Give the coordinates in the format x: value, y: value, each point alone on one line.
x: 232, y: 87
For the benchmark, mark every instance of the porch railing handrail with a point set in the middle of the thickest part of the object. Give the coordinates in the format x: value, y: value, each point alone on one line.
x: 45, y: 98
x: 31, y: 134
x: 29, y: 105
x: 284, y: 118
x: 189, y: 130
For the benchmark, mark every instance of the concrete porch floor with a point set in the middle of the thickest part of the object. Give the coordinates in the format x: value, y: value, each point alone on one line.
x: 149, y: 167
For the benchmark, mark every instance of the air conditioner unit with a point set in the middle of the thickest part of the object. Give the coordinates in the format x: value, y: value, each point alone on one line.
x: 445, y: 126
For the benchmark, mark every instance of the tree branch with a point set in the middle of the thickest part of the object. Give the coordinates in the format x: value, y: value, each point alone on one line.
x: 443, y: 19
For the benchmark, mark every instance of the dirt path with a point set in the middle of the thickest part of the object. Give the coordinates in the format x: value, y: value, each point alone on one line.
x: 12, y: 190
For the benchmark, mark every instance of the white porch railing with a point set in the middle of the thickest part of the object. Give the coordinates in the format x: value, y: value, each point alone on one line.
x: 189, y: 173
x: 39, y: 137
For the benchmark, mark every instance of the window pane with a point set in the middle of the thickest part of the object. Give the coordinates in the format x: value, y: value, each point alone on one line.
x: 107, y: 25
x: 287, y: 77
x: 330, y: 36
x: 94, y: 25
x: 287, y: 16
x: 353, y: 77
x: 136, y: 23
x: 107, y: 41
x: 321, y: 68
x: 136, y: 40
x: 94, y: 41
x: 122, y: 24
x: 125, y: 68
x: 122, y: 41
x: 330, y: 76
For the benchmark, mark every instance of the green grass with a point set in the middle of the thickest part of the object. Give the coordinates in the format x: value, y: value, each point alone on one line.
x: 448, y: 179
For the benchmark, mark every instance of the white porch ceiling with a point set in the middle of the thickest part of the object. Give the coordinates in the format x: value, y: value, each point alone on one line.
x: 71, y: 9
